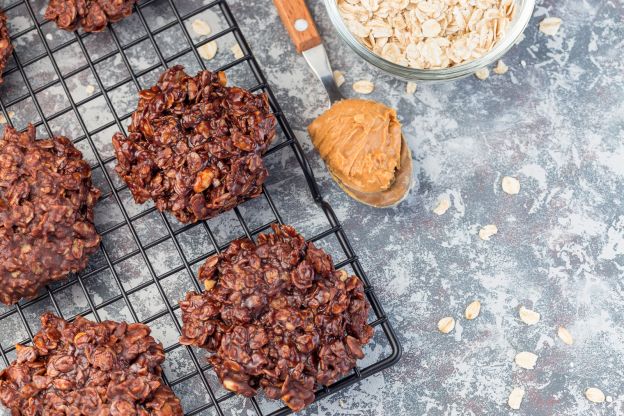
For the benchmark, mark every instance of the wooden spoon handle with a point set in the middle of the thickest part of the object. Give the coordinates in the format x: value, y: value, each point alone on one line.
x: 298, y: 21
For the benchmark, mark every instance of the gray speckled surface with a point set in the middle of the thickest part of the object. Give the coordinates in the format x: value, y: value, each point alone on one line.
x: 556, y: 121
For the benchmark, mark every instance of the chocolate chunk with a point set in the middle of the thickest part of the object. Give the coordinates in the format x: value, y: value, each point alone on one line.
x: 91, y: 15
x: 195, y: 145
x: 87, y: 368
x: 279, y: 317
x: 6, y: 48
x: 46, y: 213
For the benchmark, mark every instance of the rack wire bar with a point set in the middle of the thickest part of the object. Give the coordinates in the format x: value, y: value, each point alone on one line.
x: 105, y: 290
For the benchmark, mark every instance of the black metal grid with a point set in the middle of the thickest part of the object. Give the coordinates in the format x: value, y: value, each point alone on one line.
x: 20, y: 322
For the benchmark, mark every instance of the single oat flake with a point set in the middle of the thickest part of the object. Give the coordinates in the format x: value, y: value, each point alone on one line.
x: 428, y: 34
x: 595, y: 395
x: 410, y: 88
x: 473, y: 310
x: 526, y: 360
x: 208, y: 51
x: 363, y: 87
x: 442, y: 206
x: 515, y: 398
x: 487, y: 231
x: 201, y: 27
x: 446, y: 325
x: 565, y: 335
x: 339, y: 78
x: 528, y: 316
x: 237, y: 51
x: 550, y: 26
x: 510, y: 185
x: 89, y: 89
x: 482, y: 74
x: 500, y: 68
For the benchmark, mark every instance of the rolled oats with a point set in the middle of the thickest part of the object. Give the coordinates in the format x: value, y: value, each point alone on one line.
x: 526, y: 360
x: 237, y: 51
x: 339, y: 78
x: 410, y: 88
x: 565, y: 335
x: 472, y: 310
x: 515, y: 398
x: 510, y: 185
x: 363, y: 87
x: 442, y: 206
x: 428, y: 34
x: 201, y: 27
x: 482, y: 74
x: 500, y: 68
x: 528, y: 316
x: 487, y: 231
x: 208, y: 51
x: 446, y: 325
x: 595, y: 395
x: 550, y: 25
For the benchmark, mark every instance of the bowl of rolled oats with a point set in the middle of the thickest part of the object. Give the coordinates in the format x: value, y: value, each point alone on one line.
x: 430, y: 40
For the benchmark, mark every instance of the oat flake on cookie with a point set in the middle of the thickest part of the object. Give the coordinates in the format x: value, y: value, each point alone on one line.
x: 428, y: 34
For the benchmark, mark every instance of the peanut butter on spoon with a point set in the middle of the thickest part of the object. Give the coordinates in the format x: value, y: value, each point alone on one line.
x: 363, y: 147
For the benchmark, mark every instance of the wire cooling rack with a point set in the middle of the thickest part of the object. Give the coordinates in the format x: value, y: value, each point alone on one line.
x: 84, y: 86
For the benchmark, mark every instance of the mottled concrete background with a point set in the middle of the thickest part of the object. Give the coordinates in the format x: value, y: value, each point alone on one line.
x: 555, y: 121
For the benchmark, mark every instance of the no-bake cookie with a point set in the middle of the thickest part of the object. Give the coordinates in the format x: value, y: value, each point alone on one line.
x: 195, y: 145
x: 87, y: 368
x: 90, y: 15
x: 277, y: 316
x: 46, y: 212
x: 6, y: 48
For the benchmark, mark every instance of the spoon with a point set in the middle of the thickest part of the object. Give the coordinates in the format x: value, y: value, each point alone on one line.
x: 298, y: 22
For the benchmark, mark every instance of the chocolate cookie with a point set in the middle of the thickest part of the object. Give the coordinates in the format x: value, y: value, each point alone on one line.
x: 195, y: 145
x: 277, y: 315
x: 6, y: 48
x: 87, y: 368
x: 91, y: 15
x: 46, y: 212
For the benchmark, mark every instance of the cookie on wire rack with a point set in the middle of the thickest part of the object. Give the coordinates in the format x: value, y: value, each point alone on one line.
x: 277, y: 316
x: 90, y: 15
x: 87, y: 368
x: 6, y: 48
x: 195, y: 145
x: 46, y: 212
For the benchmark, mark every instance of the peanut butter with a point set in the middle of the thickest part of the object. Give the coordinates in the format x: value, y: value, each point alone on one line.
x: 360, y: 141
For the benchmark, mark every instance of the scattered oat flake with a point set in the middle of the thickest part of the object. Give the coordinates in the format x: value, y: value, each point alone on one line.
x: 89, y: 89
x: 442, y: 206
x: 201, y: 27
x: 482, y: 74
x: 342, y: 403
x: 208, y: 50
x: 510, y: 185
x: 487, y: 231
x: 528, y: 316
x: 500, y: 68
x: 526, y: 360
x: 363, y: 87
x: 565, y: 335
x: 446, y: 325
x: 339, y: 78
x: 515, y: 398
x: 550, y: 25
x: 473, y: 310
x: 410, y: 88
x: 595, y: 395
x: 237, y: 51
x: 49, y: 36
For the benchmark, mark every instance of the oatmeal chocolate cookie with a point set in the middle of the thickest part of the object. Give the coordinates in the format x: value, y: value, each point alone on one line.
x: 87, y: 368
x: 46, y: 212
x: 277, y: 315
x: 6, y: 48
x: 91, y: 15
x: 195, y: 145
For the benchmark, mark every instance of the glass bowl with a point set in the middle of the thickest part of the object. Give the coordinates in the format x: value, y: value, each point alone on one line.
x: 524, y: 10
